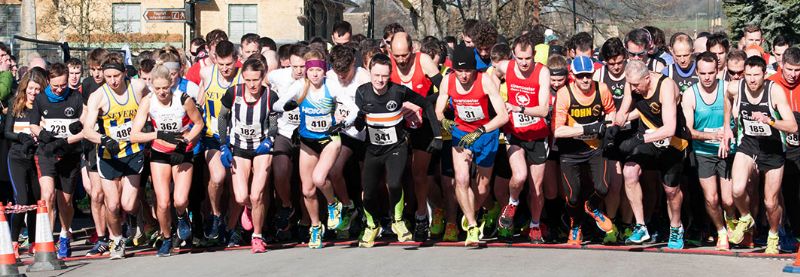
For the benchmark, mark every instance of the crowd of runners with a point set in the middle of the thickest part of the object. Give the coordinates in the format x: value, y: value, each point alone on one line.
x: 688, y: 141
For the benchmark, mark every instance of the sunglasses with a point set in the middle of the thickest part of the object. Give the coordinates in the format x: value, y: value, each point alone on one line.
x: 583, y: 76
x: 637, y: 54
x: 740, y: 72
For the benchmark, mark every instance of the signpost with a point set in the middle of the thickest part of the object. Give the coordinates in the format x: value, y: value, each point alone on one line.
x: 165, y: 15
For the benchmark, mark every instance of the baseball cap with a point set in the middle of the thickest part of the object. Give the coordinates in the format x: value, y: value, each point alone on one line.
x: 582, y: 64
x: 464, y: 57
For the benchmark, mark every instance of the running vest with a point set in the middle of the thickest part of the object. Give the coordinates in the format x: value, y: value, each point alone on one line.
x: 56, y: 117
x: 249, y: 121
x: 615, y: 85
x: 316, y: 114
x: 708, y: 118
x: 418, y: 83
x: 172, y: 118
x: 212, y: 106
x: 650, y: 118
x: 348, y: 94
x: 383, y: 115
x: 117, y: 123
x: 471, y: 109
x: 766, y: 137
x: 684, y: 78
x: 525, y: 92
x: 652, y: 63
x: 579, y: 115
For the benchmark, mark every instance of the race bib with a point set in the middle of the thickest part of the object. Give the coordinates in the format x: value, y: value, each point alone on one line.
x: 58, y: 126
x: 756, y: 129
x: 248, y: 132
x: 662, y: 143
x: 293, y: 117
x: 792, y: 139
x: 169, y: 124
x: 470, y: 113
x: 121, y: 132
x: 318, y: 124
x: 382, y: 136
x: 523, y: 120
x: 712, y: 130
x: 342, y: 112
x: 626, y: 127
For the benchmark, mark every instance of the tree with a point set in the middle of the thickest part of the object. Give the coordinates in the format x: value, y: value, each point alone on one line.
x: 77, y: 17
x: 774, y: 17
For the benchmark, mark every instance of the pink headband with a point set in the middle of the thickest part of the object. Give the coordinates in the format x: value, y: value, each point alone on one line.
x: 316, y: 63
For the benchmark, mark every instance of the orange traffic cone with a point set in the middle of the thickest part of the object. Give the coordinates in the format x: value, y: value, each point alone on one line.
x: 45, y: 252
x: 795, y: 267
x: 8, y: 261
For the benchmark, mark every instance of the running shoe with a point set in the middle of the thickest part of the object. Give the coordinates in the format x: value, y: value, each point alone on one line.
x: 334, y: 215
x: 675, y: 238
x: 611, y: 237
x: 743, y: 226
x: 282, y: 223
x: 473, y: 236
x: 368, y: 238
x: 747, y: 242
x: 23, y: 235
x: 603, y: 222
x: 184, y: 228
x: 421, y: 229
x: 315, y: 236
x: 117, y: 249
x: 627, y: 232
x: 489, y: 221
x: 575, y: 236
x: 730, y: 223
x: 722, y: 242
x: 464, y: 223
x: 437, y: 222
x: 247, y: 219
x: 257, y: 245
x: 214, y: 230
x: 787, y: 241
x: 772, y: 244
x: 348, y: 214
x: 450, y: 232
x: 91, y: 240
x: 235, y: 238
x: 507, y: 216
x: 165, y: 250
x: 399, y: 228
x: 100, y: 247
x: 64, y: 249
x: 639, y: 235
x: 535, y: 234
x: 505, y: 234
x: 302, y: 233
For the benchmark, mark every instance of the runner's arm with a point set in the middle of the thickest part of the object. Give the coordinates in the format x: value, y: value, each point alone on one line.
x: 137, y: 135
x: 197, y: 119
x: 272, y: 130
x: 623, y: 114
x: 441, y: 101
x: 8, y: 129
x: 669, y: 113
x: 93, y: 109
x: 687, y: 108
x: 430, y: 69
x: 497, y: 103
x: 224, y: 117
x: 35, y: 118
x: 427, y: 107
x: 544, y: 95
x: 787, y: 122
x: 561, y: 115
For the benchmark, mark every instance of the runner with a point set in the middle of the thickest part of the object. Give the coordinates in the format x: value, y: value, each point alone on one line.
x: 113, y: 106
x: 704, y: 112
x: 55, y: 121
x: 249, y: 125
x: 527, y: 83
x: 248, y: 46
x: 734, y: 70
x: 638, y: 43
x: 579, y: 129
x: 659, y: 144
x: 319, y: 141
x: 344, y: 78
x: 683, y: 70
x: 212, y: 39
x: 177, y: 124
x: 22, y: 168
x: 387, y: 151
x: 718, y: 44
x: 75, y: 67
x: 779, y: 46
x: 474, y: 133
x: 216, y: 80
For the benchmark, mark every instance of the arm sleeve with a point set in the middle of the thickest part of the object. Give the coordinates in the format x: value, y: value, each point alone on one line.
x: 427, y: 107
x: 227, y: 98
x: 6, y: 82
x: 9, y: 126
x: 286, y: 96
x: 272, y: 131
x: 35, y: 116
x: 224, y: 120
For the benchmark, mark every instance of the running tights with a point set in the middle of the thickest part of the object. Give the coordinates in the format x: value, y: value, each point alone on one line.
x: 392, y: 163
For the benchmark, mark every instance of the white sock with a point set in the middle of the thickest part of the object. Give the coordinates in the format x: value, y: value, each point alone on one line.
x: 63, y: 233
x: 513, y: 201
x: 534, y: 224
x: 257, y: 236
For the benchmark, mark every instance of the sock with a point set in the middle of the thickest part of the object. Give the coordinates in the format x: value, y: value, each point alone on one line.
x: 63, y: 233
x: 746, y: 217
x: 722, y: 232
x: 534, y: 224
x: 116, y: 238
x: 257, y: 236
x: 513, y: 201
x: 773, y: 235
x: 421, y: 217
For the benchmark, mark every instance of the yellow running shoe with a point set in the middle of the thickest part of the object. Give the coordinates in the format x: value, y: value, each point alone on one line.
x: 399, y: 228
x: 473, y: 236
x: 464, y: 223
x: 744, y: 225
x: 772, y: 244
x: 730, y: 223
x: 368, y: 239
x: 437, y: 222
x: 450, y: 232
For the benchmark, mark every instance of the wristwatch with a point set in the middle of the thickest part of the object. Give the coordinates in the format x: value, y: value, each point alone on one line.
x: 521, y: 109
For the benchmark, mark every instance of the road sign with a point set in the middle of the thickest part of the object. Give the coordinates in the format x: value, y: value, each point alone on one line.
x: 165, y: 15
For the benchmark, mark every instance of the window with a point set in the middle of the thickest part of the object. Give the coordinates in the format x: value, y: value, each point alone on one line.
x: 127, y: 17
x: 242, y: 19
x: 9, y: 20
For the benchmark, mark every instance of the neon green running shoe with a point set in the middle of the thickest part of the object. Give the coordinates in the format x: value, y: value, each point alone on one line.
x: 368, y: 238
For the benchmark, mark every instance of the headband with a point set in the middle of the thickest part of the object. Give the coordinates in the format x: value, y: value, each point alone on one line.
x: 558, y: 72
x: 316, y: 63
x: 117, y: 66
x: 172, y: 65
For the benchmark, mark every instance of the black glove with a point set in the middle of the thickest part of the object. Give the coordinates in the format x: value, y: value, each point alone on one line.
x: 435, y: 145
x: 610, y: 136
x: 76, y: 127
x: 797, y: 117
x: 336, y: 128
x: 470, y: 138
x: 46, y: 136
x: 177, y: 157
x: 594, y: 128
x: 25, y: 139
x: 170, y: 137
x: 628, y: 145
x: 55, y: 148
x: 291, y: 105
x: 110, y: 144
x: 360, y: 123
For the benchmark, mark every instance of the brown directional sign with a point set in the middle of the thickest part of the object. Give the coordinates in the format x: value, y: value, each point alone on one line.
x: 165, y: 15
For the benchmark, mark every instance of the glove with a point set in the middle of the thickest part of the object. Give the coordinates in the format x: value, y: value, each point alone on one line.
x: 797, y: 117
x: 360, y: 123
x: 76, y: 127
x: 610, y: 136
x: 291, y: 105
x: 46, y: 136
x: 436, y: 145
x: 336, y: 128
x: 110, y: 144
x: 177, y: 156
x: 594, y: 128
x: 448, y: 124
x: 628, y: 145
x: 25, y: 139
x: 170, y: 137
x: 468, y: 139
x: 226, y: 157
x: 265, y: 147
x: 55, y: 148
